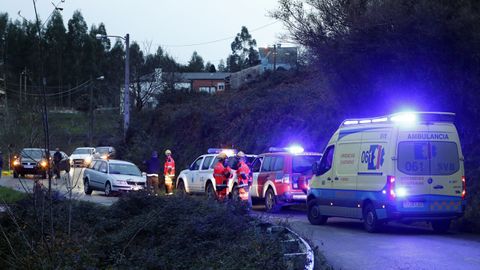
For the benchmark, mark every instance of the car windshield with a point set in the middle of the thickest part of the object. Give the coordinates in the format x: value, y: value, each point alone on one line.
x: 32, y: 153
x: 126, y: 169
x: 82, y: 151
x: 303, y: 164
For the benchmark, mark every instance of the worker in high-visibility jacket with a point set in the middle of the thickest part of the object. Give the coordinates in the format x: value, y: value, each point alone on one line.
x: 244, y: 179
x: 221, y: 173
x: 169, y: 172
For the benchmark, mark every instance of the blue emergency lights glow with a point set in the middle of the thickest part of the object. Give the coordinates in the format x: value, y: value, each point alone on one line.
x: 407, y: 117
x: 294, y: 149
x: 229, y: 152
x: 403, y: 118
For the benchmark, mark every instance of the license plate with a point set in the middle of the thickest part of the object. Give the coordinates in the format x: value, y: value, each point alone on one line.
x: 413, y: 204
x: 28, y: 166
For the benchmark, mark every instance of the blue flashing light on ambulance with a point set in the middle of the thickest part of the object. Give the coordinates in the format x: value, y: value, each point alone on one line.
x: 404, y: 167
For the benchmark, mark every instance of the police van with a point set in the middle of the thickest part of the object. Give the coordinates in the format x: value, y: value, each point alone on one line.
x: 405, y: 167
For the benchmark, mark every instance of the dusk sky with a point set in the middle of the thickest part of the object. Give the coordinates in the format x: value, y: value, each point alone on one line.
x: 177, y: 25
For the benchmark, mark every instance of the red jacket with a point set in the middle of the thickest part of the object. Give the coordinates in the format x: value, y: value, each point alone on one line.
x: 221, y: 173
x: 169, y: 167
x: 243, y: 173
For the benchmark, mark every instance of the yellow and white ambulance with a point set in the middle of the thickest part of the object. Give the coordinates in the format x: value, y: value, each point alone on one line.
x: 405, y: 166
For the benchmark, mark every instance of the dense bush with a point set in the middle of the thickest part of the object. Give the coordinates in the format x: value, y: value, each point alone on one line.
x: 139, y: 232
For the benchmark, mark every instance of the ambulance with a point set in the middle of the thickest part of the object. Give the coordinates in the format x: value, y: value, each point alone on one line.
x: 404, y: 167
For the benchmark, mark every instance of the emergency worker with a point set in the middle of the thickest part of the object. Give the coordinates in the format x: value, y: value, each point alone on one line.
x: 153, y: 170
x: 221, y: 173
x: 244, y: 179
x: 169, y: 172
x: 57, y: 157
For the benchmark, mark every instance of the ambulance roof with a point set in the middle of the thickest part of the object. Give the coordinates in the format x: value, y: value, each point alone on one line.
x: 403, y: 117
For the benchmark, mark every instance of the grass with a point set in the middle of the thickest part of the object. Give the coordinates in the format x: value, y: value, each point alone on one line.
x: 140, y: 232
x: 9, y: 195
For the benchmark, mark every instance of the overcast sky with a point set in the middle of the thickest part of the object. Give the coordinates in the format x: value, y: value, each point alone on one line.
x: 170, y: 23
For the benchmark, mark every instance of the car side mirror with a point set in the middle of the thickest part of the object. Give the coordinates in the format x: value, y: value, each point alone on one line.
x: 144, y: 174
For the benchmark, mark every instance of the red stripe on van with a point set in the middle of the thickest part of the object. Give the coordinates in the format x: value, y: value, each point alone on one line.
x: 379, y: 156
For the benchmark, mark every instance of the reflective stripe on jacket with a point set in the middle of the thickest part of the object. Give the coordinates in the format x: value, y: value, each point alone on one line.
x: 169, y: 167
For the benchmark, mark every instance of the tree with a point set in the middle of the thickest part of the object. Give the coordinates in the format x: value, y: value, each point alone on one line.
x: 211, y: 68
x: 196, y: 63
x: 77, y: 39
x: 244, y: 53
x: 221, y: 66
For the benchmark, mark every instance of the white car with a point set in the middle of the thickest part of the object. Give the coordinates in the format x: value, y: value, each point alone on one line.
x: 82, y: 156
x: 112, y: 176
x: 198, y: 178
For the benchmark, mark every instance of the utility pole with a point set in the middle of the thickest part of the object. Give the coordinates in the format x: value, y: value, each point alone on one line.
x: 274, y: 57
x: 126, y: 97
x: 90, y: 133
x: 126, y: 91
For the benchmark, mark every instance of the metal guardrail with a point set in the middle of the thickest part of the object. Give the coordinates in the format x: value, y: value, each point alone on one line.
x: 305, y: 249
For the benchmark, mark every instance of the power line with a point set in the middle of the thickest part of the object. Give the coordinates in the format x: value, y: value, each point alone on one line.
x: 71, y: 90
x: 216, y: 40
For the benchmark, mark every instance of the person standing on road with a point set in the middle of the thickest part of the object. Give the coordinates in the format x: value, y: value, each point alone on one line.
x: 153, y: 170
x: 244, y: 179
x: 169, y: 172
x: 57, y: 158
x: 221, y: 173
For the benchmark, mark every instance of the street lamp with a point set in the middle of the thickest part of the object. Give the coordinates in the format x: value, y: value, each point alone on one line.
x: 90, y: 129
x: 126, y: 92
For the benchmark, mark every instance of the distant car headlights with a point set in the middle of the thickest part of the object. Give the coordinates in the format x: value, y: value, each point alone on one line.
x: 88, y: 160
x: 105, y: 157
x: 43, y: 163
x: 16, y: 162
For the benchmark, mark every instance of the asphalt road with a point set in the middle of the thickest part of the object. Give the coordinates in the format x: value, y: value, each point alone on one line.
x: 72, y: 181
x: 344, y: 242
x: 346, y: 245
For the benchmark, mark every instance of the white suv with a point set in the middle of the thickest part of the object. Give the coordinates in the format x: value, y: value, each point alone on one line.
x: 198, y: 178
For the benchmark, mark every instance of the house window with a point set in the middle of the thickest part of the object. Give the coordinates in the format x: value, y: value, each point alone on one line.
x: 204, y: 89
x: 221, y: 86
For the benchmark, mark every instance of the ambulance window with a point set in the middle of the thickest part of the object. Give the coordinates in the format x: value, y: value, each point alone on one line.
x: 256, y: 164
x: 266, y: 164
x: 428, y: 158
x: 207, y: 162
x: 278, y: 164
x: 327, y: 160
x: 413, y: 158
x: 196, y: 165
x: 445, y: 160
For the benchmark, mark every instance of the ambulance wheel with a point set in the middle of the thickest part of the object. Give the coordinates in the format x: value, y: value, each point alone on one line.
x: 370, y: 220
x: 271, y: 203
x: 314, y: 215
x: 441, y: 226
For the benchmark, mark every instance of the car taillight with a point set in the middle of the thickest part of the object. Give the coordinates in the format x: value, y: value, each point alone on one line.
x: 286, y: 179
x: 464, y: 187
x: 390, y: 190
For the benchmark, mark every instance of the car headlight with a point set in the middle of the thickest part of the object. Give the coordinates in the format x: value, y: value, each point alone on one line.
x: 16, y: 162
x: 88, y: 160
x: 121, y: 182
x: 104, y: 157
x: 43, y: 163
